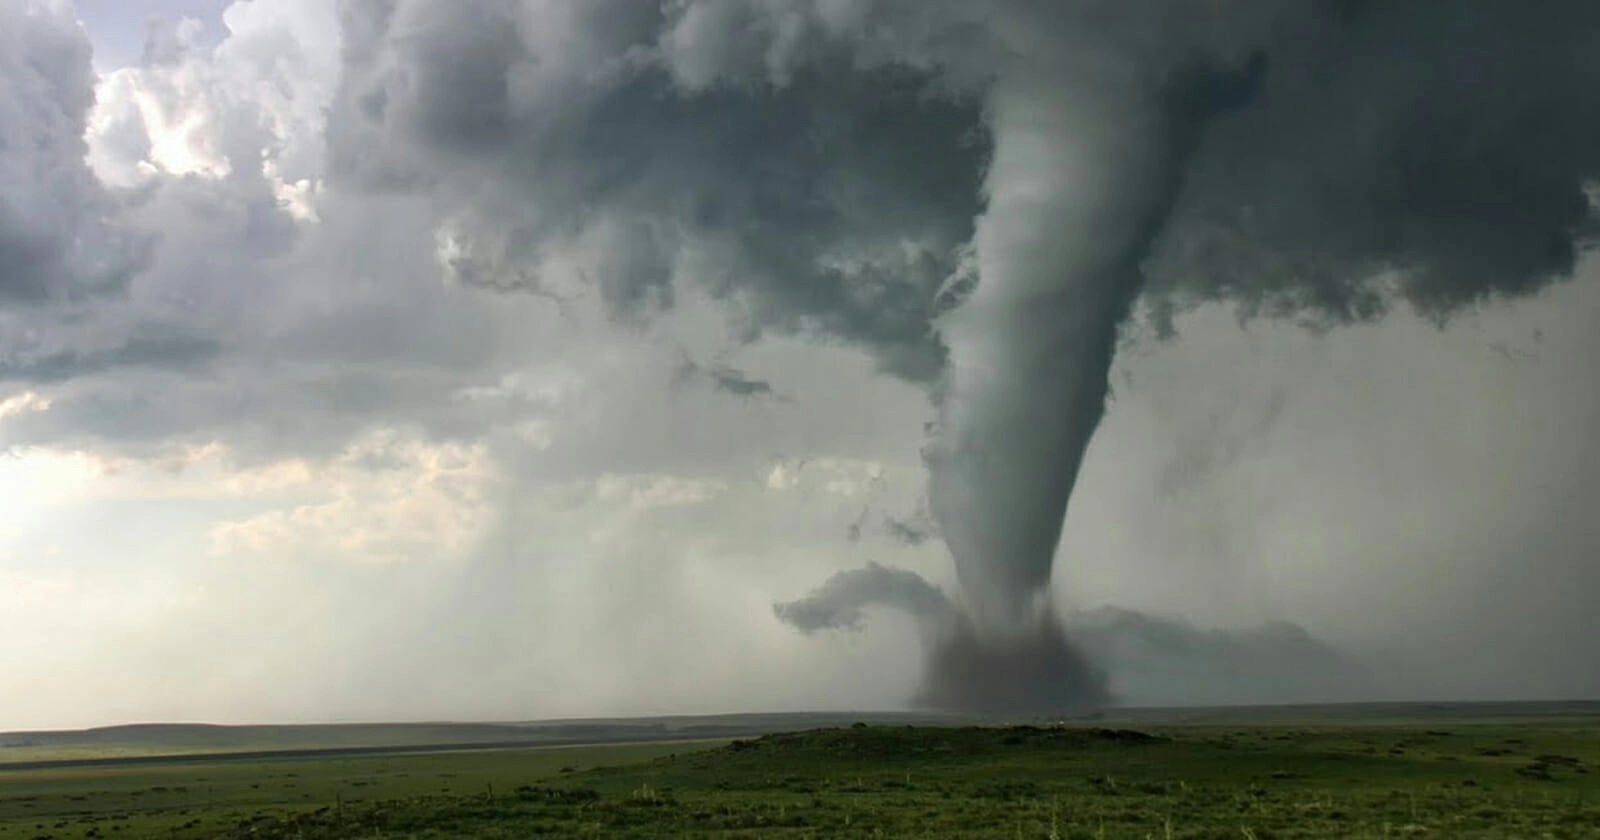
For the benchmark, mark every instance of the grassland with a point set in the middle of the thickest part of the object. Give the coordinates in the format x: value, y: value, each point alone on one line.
x: 1490, y: 778
x: 200, y: 798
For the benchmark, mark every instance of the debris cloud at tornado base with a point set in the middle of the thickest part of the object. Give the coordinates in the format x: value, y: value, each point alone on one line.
x: 1034, y: 671
x: 1065, y: 666
x: 981, y: 195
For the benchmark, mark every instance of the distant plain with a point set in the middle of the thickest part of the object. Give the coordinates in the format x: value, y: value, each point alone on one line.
x: 1375, y: 770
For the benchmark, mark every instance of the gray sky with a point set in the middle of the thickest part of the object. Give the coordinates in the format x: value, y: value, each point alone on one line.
x: 326, y: 396
x: 118, y: 27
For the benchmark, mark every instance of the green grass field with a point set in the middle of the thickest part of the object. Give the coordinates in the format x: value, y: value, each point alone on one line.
x: 194, y: 799
x: 1533, y: 778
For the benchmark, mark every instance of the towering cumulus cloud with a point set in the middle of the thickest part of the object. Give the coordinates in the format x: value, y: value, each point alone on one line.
x: 978, y: 194
x: 55, y: 242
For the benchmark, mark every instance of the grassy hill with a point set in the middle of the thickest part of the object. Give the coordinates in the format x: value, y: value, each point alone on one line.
x: 1044, y: 783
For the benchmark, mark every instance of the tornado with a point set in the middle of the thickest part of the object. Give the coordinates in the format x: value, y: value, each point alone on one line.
x: 1078, y: 175
x: 1087, y: 161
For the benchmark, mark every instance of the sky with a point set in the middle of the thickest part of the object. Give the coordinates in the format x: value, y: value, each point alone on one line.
x: 375, y: 361
x: 119, y: 29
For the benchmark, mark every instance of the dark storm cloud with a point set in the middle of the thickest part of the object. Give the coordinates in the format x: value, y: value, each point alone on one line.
x: 822, y: 166
x: 797, y: 144
x: 1452, y: 147
x: 833, y: 204
x: 720, y: 377
x: 154, y: 346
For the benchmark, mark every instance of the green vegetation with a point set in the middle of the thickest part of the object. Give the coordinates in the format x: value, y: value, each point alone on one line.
x: 1531, y: 779
x: 195, y: 799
